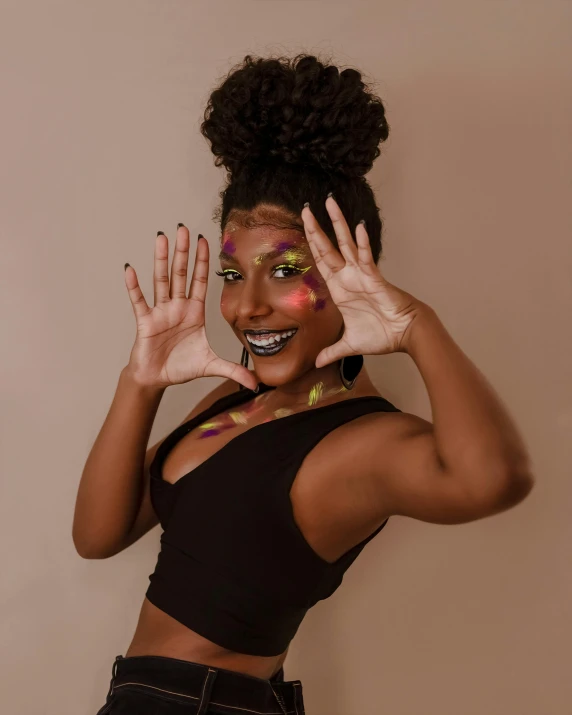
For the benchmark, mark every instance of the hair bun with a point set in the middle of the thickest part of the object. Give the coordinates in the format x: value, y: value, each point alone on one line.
x: 298, y: 111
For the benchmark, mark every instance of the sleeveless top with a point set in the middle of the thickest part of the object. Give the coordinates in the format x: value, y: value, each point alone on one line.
x: 233, y: 564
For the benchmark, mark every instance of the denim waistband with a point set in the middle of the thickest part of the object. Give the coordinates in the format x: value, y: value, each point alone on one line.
x: 203, y: 685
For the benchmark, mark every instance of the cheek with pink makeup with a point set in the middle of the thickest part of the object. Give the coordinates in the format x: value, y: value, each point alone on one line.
x: 308, y: 296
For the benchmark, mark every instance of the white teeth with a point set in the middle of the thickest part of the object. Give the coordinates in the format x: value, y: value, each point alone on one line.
x: 271, y: 340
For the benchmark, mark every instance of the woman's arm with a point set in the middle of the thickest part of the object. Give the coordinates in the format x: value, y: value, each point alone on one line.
x: 110, y: 490
x: 469, y: 463
x: 113, y: 506
x: 474, y: 434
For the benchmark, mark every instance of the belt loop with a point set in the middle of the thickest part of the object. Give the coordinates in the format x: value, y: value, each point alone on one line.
x: 280, y: 698
x: 298, y: 699
x: 113, y: 674
x: 206, y: 693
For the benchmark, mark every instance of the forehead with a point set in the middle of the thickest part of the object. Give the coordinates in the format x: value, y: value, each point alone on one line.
x: 267, y: 229
x: 257, y: 246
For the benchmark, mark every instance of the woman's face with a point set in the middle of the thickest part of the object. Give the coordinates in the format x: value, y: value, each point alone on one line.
x: 271, y: 283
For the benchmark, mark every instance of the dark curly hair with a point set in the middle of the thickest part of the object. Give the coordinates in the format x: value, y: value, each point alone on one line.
x: 290, y: 131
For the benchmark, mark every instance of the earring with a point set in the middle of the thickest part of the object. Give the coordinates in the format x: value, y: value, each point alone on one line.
x: 244, y: 363
x: 244, y: 358
x: 349, y: 368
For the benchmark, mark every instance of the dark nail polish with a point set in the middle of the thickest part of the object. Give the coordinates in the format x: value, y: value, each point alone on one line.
x: 160, y: 233
x: 180, y: 224
x: 200, y: 235
x: 125, y: 266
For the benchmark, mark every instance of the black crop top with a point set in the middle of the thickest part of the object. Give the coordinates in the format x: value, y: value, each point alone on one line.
x: 233, y: 564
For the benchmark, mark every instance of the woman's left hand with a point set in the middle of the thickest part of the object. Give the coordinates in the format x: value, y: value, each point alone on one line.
x: 377, y: 315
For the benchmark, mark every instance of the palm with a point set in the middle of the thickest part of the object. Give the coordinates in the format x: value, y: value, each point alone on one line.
x: 171, y: 345
x: 376, y: 313
x: 168, y: 336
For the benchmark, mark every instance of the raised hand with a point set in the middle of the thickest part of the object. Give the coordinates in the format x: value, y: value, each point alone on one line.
x: 377, y: 315
x: 171, y: 345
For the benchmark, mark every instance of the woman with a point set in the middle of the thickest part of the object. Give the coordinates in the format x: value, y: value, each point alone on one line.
x: 274, y: 483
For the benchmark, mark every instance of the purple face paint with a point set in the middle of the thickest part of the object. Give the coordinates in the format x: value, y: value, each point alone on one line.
x: 311, y: 281
x: 228, y: 244
x: 209, y: 433
x: 314, y: 286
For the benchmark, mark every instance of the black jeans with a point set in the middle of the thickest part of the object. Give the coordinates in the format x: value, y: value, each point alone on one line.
x: 155, y: 685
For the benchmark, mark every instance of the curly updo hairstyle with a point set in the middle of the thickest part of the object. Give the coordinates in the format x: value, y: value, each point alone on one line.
x: 290, y: 131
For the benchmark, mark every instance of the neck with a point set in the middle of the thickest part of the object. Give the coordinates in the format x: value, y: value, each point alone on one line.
x: 319, y: 385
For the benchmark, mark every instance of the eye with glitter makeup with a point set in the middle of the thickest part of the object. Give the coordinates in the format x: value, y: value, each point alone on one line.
x: 283, y: 267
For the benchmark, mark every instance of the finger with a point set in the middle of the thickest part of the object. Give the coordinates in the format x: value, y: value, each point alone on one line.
x: 138, y: 302
x: 161, y: 269
x: 332, y: 353
x: 238, y: 373
x: 365, y: 256
x: 199, y: 279
x: 180, y: 264
x: 328, y: 260
x: 343, y: 234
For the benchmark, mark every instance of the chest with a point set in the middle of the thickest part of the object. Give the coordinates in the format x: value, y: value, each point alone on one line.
x: 327, y: 499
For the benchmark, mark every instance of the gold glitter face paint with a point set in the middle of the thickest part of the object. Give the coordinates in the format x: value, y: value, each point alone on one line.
x: 283, y: 412
x: 317, y: 393
x: 292, y: 253
x: 317, y: 302
x: 229, y: 420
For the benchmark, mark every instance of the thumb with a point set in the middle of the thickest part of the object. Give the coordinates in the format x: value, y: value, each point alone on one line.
x: 224, y: 368
x: 244, y: 376
x: 332, y: 353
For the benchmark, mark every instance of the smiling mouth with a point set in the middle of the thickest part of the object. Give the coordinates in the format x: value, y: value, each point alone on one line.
x: 270, y: 346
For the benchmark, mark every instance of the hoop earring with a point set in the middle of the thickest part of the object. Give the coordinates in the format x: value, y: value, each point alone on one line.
x: 349, y: 368
x: 244, y: 363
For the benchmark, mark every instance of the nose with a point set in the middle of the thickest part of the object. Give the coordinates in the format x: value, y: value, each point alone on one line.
x: 252, y: 302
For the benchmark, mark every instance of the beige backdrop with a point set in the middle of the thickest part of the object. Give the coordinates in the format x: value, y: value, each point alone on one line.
x: 101, y: 104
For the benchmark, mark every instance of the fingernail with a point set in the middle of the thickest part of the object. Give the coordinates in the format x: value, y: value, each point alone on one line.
x: 160, y: 233
x: 125, y: 266
x: 307, y: 204
x: 200, y: 236
x: 363, y: 221
x: 330, y: 195
x: 180, y: 224
x: 257, y: 388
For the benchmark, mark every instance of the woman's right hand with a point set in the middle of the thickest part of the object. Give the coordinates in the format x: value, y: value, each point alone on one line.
x: 171, y: 345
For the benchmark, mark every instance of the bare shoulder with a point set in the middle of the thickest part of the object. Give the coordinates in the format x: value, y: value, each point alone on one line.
x: 376, y: 442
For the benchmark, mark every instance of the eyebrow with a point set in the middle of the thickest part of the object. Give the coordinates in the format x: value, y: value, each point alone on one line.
x: 224, y: 256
